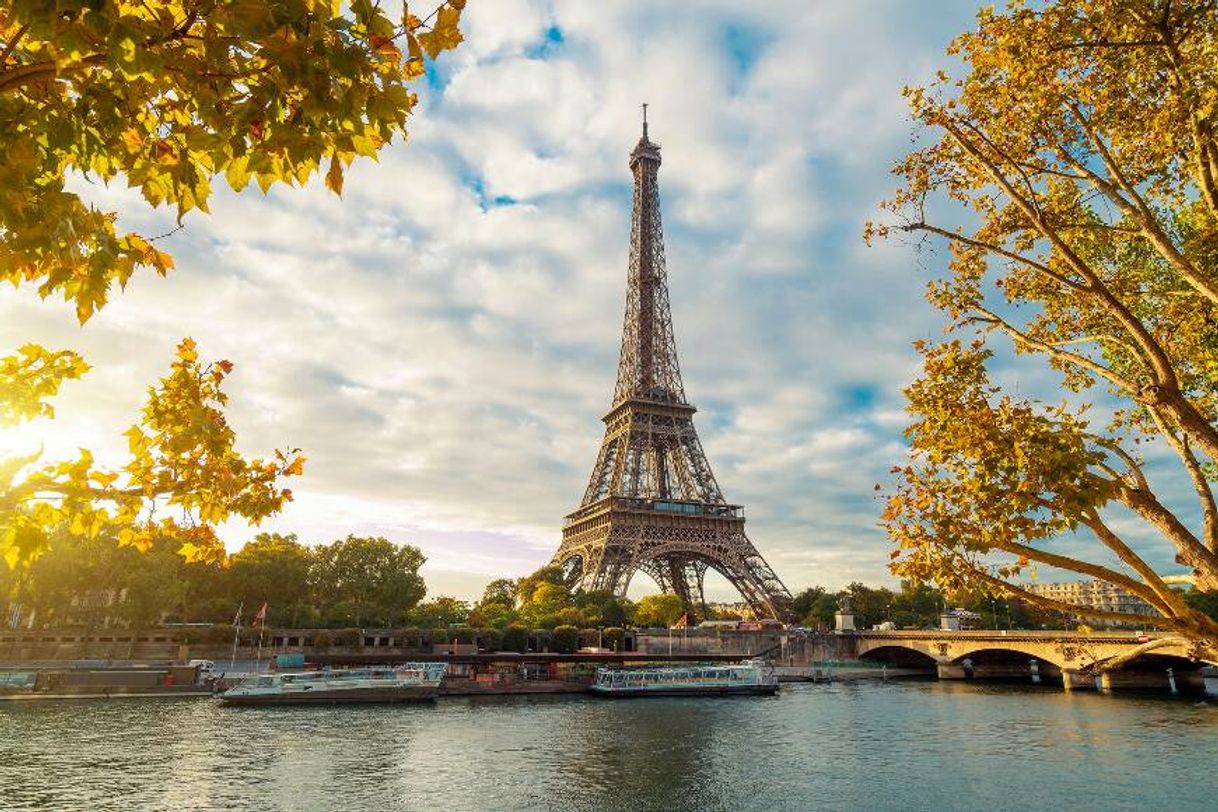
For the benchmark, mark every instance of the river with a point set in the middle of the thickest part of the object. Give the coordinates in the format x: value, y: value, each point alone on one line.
x: 872, y: 746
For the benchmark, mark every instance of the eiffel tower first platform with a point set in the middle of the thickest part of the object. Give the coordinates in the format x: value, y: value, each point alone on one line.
x: 652, y: 503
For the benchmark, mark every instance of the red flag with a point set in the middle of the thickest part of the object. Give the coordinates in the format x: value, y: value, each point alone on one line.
x: 260, y: 617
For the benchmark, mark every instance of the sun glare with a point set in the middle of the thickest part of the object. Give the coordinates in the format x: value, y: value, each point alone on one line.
x: 23, y: 439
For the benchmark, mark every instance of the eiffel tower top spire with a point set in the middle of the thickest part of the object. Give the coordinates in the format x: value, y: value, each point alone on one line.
x: 647, y: 367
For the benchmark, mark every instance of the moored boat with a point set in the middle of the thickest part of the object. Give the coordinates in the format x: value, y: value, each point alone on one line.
x: 410, y: 682
x: 750, y: 677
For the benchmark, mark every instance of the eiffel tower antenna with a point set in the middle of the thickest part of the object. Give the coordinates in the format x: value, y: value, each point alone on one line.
x: 652, y: 502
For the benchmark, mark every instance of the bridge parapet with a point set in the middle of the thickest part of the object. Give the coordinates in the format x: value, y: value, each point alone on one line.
x: 1065, y: 650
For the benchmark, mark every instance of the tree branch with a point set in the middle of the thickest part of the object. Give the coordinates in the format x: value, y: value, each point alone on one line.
x: 1084, y: 567
x: 1065, y: 356
x: 12, y: 44
x: 1140, y: 212
x: 1168, y: 601
x: 22, y: 75
x: 1134, y: 467
x: 1114, y: 662
x: 1201, y: 485
x: 1068, y: 608
x: 997, y: 249
x: 1156, y: 356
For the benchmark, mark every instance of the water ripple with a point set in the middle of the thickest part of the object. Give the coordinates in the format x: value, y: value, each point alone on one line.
x: 865, y: 746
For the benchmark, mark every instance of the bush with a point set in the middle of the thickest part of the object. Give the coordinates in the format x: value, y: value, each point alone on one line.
x: 411, y: 637
x: 589, y: 637
x: 613, y: 637
x: 490, y: 639
x: 566, y: 639
x: 323, y: 639
x: 515, y: 638
x: 220, y: 633
x: 348, y: 637
x: 462, y: 634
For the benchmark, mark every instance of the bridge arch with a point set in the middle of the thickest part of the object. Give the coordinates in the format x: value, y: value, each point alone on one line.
x: 1011, y: 653
x: 900, y: 656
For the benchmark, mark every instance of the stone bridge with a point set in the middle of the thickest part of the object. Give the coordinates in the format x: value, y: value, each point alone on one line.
x: 1079, y: 660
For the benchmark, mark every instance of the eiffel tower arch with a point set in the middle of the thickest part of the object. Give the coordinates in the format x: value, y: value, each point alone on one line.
x: 652, y: 503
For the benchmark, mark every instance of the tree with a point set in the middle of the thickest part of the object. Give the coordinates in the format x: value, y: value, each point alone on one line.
x: 1083, y: 143
x: 368, y: 579
x: 806, y: 599
x: 169, y: 94
x: 529, y: 584
x: 274, y: 569
x: 151, y: 584
x: 182, y: 455
x: 493, y: 615
x: 917, y: 604
x: 658, y: 610
x: 496, y: 609
x: 1204, y: 602
x: 439, y: 613
x: 870, y: 606
x: 814, y: 606
x: 501, y: 590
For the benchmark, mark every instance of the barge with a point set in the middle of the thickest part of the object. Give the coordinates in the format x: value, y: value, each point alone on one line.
x: 752, y: 677
x: 409, y: 682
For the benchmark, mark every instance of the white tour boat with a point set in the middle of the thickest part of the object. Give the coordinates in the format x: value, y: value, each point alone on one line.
x: 750, y: 677
x: 409, y: 682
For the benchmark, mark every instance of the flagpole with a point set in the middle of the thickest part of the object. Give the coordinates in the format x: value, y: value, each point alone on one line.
x: 232, y: 663
x: 258, y: 660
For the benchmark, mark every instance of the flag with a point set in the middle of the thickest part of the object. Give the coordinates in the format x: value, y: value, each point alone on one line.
x: 260, y: 617
x: 682, y: 621
x: 237, y: 617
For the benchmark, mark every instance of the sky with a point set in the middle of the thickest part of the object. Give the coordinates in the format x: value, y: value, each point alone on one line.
x: 441, y: 341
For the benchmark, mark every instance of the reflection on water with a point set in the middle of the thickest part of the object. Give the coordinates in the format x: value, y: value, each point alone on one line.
x: 866, y: 746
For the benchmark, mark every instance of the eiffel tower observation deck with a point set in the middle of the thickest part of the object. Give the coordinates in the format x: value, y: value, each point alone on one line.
x: 652, y: 502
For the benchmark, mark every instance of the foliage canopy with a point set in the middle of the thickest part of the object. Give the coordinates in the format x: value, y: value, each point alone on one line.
x: 1081, y: 146
x: 169, y: 94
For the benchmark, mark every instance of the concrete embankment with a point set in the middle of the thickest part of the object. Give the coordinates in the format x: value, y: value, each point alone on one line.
x: 846, y: 672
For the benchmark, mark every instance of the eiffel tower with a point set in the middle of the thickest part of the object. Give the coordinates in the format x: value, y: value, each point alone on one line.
x: 652, y: 503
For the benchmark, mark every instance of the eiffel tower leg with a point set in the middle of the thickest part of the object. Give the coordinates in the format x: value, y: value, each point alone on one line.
x: 678, y: 577
x: 692, y: 575
x: 659, y: 573
x: 756, y: 583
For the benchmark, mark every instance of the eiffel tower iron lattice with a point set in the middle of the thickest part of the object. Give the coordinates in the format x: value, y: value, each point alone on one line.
x: 652, y: 502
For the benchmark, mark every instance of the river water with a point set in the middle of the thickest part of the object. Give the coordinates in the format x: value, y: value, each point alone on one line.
x: 870, y: 746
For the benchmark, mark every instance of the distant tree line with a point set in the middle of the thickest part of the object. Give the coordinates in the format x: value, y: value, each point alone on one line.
x: 916, y: 605
x: 372, y: 582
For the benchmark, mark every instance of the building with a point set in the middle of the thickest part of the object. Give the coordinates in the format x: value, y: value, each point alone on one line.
x: 1094, y: 594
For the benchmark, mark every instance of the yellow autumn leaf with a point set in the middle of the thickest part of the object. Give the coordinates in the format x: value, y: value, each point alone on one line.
x: 334, y: 177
